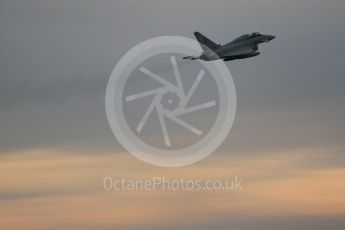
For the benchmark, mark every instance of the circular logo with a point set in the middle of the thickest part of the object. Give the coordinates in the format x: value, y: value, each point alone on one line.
x: 174, y: 113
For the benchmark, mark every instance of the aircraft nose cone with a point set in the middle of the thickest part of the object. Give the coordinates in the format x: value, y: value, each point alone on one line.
x: 271, y: 37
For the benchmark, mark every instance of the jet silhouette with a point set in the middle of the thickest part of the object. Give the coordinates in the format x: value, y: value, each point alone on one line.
x: 245, y: 46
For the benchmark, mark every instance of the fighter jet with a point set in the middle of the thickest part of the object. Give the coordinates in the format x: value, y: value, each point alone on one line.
x: 245, y: 46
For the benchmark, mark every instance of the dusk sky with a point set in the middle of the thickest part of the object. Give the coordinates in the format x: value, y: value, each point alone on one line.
x: 286, y: 143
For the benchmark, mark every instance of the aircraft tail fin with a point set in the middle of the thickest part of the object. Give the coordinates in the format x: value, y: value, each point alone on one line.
x: 205, y: 42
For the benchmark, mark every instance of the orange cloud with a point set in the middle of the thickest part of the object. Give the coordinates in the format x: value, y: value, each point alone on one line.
x: 42, y: 187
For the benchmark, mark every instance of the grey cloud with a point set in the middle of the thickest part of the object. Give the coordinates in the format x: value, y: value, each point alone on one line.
x: 56, y: 57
